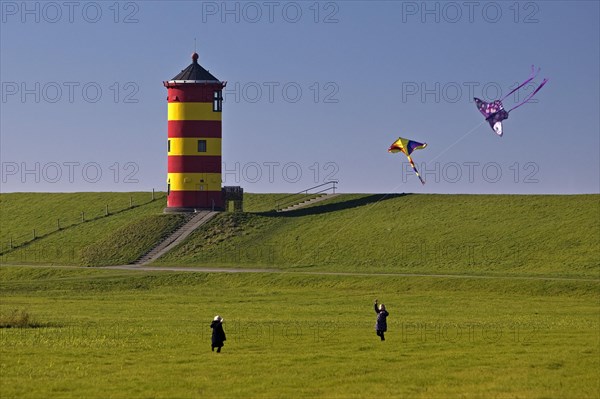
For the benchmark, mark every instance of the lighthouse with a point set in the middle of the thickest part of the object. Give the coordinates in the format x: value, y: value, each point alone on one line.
x: 194, y: 140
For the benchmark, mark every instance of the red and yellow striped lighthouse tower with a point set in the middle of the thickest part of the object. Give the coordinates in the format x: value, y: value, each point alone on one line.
x: 194, y: 146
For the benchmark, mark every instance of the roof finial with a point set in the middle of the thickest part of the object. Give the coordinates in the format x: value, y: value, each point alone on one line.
x: 195, y: 54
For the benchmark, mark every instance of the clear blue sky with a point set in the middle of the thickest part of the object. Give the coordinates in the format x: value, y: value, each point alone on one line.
x: 315, y: 90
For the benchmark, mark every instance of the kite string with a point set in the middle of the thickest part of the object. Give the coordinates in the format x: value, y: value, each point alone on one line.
x: 368, y: 207
x: 458, y: 141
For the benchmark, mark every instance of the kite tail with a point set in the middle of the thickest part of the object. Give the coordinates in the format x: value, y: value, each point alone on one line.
x: 530, y: 96
x: 531, y: 77
x: 415, y: 169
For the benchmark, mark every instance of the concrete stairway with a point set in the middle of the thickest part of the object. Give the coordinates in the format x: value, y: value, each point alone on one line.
x: 311, y: 201
x: 197, y: 220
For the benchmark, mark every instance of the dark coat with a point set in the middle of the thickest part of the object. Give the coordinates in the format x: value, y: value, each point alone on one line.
x: 381, y: 324
x: 218, y: 334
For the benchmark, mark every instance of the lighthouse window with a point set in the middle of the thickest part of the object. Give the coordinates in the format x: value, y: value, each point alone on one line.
x: 168, y: 145
x: 201, y: 145
x: 217, y: 101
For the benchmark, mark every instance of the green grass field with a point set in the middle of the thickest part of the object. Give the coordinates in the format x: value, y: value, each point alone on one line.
x: 127, y: 334
x: 520, y: 318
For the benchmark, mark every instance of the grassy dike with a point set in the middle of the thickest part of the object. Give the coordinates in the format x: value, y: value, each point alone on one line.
x: 537, y: 235
x: 97, y: 239
x: 454, y: 234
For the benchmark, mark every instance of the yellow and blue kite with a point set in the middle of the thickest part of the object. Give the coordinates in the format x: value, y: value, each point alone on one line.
x: 407, y: 147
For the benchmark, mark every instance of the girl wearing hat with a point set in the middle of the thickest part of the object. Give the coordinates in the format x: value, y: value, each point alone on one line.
x: 381, y: 324
x: 218, y: 335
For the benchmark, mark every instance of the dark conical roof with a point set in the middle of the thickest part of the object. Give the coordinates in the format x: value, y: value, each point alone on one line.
x: 195, y: 72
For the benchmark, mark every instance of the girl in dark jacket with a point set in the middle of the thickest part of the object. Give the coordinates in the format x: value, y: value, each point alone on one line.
x: 218, y: 334
x: 381, y: 324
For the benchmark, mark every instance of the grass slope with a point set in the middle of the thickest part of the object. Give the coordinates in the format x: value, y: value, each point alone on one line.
x: 128, y: 243
x: 457, y: 234
x: 21, y: 213
x: 126, y: 334
x: 121, y: 237
x: 464, y: 234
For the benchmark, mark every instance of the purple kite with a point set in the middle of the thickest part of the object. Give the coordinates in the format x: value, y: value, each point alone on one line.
x: 495, y: 113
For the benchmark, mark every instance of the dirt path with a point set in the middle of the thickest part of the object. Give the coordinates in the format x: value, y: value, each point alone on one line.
x: 313, y: 273
x: 323, y: 273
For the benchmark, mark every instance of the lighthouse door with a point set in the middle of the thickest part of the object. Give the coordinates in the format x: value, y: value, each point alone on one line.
x: 202, y: 193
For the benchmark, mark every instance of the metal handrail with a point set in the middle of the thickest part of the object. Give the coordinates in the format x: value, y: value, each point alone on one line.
x: 280, y: 202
